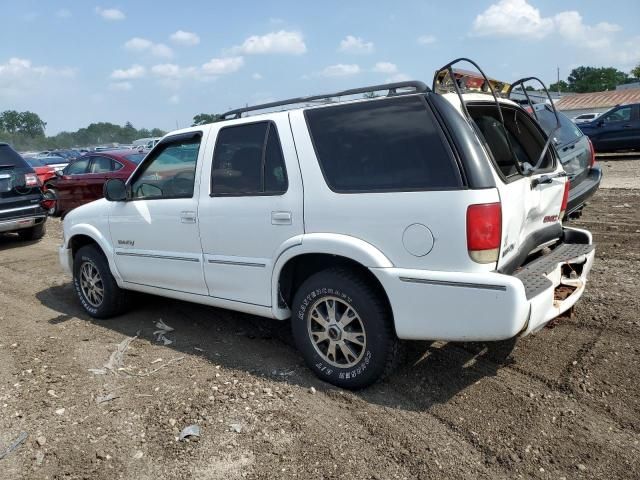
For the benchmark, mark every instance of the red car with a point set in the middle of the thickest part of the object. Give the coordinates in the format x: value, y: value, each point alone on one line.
x: 43, y: 171
x: 81, y: 181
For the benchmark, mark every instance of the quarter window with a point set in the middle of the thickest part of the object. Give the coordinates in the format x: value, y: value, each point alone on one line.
x: 621, y: 115
x: 382, y: 145
x: 248, y: 160
x: 78, y: 167
x: 169, y: 172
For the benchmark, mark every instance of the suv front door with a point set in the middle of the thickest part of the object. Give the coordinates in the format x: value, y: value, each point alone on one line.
x: 155, y: 233
x: 253, y: 206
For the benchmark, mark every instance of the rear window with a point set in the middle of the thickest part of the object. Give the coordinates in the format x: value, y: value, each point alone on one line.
x: 136, y: 157
x: 382, y: 145
x: 568, y: 132
x: 10, y: 158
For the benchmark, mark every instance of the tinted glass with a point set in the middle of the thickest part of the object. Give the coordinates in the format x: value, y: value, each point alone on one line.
x: 101, y: 165
x: 381, y: 145
x: 246, y: 161
x: 35, y: 162
x: 10, y: 158
x: 275, y: 175
x: 568, y: 132
x: 136, y: 157
x: 78, y: 167
x: 170, y: 173
x: 621, y: 115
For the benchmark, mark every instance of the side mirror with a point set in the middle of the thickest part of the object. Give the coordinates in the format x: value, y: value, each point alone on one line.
x: 115, y: 190
x: 58, y: 173
x: 600, y: 123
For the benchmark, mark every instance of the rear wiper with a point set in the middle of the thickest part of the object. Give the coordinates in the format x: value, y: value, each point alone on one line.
x: 546, y: 179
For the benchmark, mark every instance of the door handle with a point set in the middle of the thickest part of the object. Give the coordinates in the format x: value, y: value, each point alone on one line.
x: 627, y: 126
x: 187, y: 217
x: 280, y: 218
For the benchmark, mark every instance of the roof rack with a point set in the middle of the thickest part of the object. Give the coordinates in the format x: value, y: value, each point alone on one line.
x: 392, y: 88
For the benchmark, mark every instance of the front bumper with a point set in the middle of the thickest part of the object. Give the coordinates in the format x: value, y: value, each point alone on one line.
x: 66, y: 259
x: 457, y: 306
x: 15, y: 224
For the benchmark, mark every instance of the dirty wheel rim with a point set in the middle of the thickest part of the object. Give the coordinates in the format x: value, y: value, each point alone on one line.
x: 91, y: 284
x: 336, y: 332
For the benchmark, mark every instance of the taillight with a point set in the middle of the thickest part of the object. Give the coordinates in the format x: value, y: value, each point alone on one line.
x: 30, y: 180
x: 47, y: 204
x: 484, y: 231
x: 592, y: 160
x: 565, y: 198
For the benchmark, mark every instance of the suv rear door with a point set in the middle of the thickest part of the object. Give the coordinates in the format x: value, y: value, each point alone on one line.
x: 250, y: 205
x: 531, y: 188
x: 18, y: 195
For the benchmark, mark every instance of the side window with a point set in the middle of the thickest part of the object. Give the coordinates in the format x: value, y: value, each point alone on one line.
x: 116, y: 166
x: 621, y: 115
x: 101, y: 165
x: 248, y: 160
x: 382, y: 145
x: 169, y: 172
x: 78, y: 167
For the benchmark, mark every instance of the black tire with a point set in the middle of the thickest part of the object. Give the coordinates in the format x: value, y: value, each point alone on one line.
x: 114, y: 300
x: 33, y: 233
x: 370, y: 362
x: 52, y: 194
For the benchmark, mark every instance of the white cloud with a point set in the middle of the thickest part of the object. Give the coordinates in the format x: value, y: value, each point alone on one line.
x: 135, y: 71
x: 512, y: 18
x: 110, y: 14
x: 187, y: 39
x: 256, y: 76
x: 285, y: 42
x: 426, y: 39
x: 167, y: 70
x: 385, y: 67
x: 63, y: 13
x: 519, y: 19
x: 174, y: 99
x: 222, y: 66
x: 120, y: 86
x: 340, y: 70
x: 137, y: 44
x: 398, y: 77
x: 20, y: 77
x: 351, y: 44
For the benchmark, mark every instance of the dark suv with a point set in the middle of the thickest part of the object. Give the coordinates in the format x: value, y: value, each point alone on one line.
x: 22, y: 203
x: 617, y: 129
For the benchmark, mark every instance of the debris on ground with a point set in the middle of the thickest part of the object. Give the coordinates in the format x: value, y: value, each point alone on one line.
x: 116, y: 359
x: 190, y: 433
x: 16, y: 443
x: 160, y: 334
x: 312, y: 390
x: 105, y: 398
x: 235, y: 427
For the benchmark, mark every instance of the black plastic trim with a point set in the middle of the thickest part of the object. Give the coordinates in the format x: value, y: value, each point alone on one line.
x: 547, y: 234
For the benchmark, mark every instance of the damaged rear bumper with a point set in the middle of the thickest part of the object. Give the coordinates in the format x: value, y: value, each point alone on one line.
x: 459, y: 306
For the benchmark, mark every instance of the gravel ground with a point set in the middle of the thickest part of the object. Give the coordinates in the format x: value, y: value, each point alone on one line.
x: 564, y: 404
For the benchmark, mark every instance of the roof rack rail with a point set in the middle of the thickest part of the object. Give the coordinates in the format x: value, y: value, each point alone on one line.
x: 392, y: 88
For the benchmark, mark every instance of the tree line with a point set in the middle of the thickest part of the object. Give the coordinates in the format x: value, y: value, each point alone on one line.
x: 26, y: 131
x: 594, y: 79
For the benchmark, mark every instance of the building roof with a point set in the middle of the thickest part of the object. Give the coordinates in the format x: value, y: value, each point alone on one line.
x: 585, y: 101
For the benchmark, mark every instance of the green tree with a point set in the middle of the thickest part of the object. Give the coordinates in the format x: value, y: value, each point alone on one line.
x: 156, y: 132
x: 636, y: 71
x: 31, y: 125
x: 592, y: 79
x: 10, y: 121
x: 204, y: 118
x: 560, y: 86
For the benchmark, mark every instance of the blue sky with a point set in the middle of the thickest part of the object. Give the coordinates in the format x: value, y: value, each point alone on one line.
x: 158, y: 63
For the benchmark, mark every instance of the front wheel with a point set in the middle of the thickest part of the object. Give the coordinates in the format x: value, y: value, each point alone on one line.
x: 344, y: 329
x: 96, y: 288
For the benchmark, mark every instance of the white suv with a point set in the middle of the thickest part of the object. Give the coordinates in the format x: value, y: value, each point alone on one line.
x: 408, y: 216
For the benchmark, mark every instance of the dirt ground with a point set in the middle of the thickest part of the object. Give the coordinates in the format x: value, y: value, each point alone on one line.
x: 565, y: 404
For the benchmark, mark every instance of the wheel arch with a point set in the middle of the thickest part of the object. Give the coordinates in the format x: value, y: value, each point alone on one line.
x: 81, y: 235
x: 316, y: 252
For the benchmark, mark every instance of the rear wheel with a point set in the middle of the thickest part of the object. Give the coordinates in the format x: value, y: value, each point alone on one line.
x: 344, y: 329
x: 96, y: 288
x: 33, y: 233
x: 51, y: 194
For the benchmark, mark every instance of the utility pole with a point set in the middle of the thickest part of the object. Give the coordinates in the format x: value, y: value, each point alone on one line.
x: 558, y: 81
